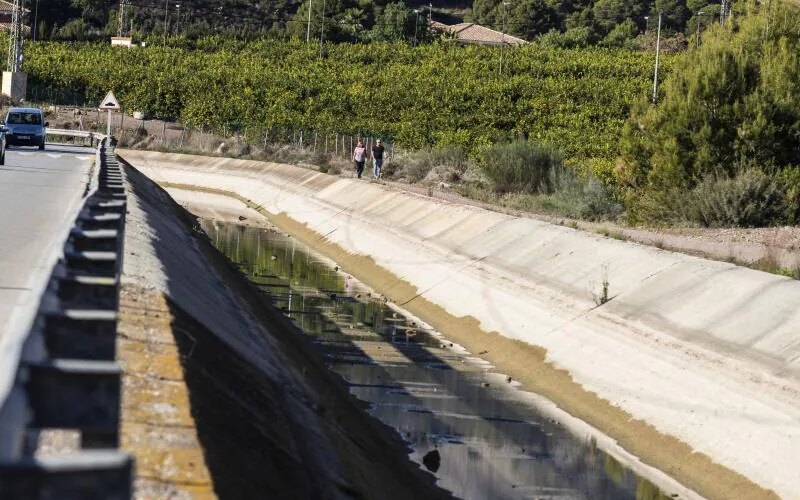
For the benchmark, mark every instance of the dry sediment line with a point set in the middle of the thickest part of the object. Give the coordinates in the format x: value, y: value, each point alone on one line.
x: 689, y: 360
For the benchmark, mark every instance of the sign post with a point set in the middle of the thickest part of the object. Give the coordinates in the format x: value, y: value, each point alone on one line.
x: 110, y: 103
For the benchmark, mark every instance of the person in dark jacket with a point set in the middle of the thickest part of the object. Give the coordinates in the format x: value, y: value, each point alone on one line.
x: 377, y: 158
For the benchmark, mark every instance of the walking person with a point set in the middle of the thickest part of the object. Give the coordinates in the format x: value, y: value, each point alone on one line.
x: 377, y: 158
x: 359, y: 156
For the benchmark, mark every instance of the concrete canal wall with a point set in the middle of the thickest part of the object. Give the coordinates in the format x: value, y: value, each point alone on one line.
x: 690, y: 364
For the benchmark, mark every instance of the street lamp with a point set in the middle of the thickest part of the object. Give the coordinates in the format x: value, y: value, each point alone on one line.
x: 697, y: 29
x: 35, y: 20
x: 322, y: 29
x: 658, y: 46
x: 416, y: 26
x: 503, y: 36
x: 308, y: 27
x: 166, y: 13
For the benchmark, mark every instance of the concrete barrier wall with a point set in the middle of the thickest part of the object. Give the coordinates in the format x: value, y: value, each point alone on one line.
x: 704, y: 351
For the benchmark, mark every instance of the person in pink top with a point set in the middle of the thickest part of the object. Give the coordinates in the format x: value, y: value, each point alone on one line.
x: 359, y: 157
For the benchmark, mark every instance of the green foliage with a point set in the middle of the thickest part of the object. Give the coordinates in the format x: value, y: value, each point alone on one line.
x: 431, y: 95
x: 415, y: 167
x: 751, y: 199
x: 731, y: 104
x: 622, y: 35
x: 522, y: 166
x: 674, y: 17
x: 610, y: 14
x: 395, y: 22
x: 573, y: 38
x: 790, y: 179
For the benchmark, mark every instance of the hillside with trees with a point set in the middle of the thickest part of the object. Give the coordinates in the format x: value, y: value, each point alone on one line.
x: 722, y: 147
x: 719, y: 147
x: 566, y: 23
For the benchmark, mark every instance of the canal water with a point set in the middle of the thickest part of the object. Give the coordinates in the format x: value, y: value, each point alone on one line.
x: 466, y: 425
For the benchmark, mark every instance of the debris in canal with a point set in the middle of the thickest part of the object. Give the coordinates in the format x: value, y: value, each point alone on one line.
x: 432, y: 460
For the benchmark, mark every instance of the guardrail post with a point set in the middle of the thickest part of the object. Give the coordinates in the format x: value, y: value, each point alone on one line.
x: 76, y: 382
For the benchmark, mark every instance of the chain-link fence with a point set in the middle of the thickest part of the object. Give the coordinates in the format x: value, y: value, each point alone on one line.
x: 160, y: 134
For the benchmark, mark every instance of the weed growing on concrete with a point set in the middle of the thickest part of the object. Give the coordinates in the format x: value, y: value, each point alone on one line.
x: 610, y: 233
x: 601, y: 297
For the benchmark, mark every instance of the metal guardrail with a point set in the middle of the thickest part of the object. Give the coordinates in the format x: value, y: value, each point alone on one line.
x: 67, y: 376
x: 86, y: 134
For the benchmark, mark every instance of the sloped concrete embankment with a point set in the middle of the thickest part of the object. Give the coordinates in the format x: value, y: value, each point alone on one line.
x: 690, y: 364
x: 222, y: 396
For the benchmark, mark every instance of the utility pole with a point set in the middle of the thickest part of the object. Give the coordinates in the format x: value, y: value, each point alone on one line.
x: 35, y: 26
x: 416, y: 25
x: 430, y: 13
x: 658, y: 47
x: 15, y: 82
x: 166, y: 14
x: 121, y: 21
x: 178, y: 19
x: 308, y: 27
x: 697, y: 29
x: 15, y: 39
x: 322, y: 29
x: 503, y: 36
x: 724, y: 11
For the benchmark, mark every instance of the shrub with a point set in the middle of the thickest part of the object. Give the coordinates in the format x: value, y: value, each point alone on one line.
x: 522, y: 166
x: 751, y: 199
x: 416, y: 166
x: 580, y: 198
x: 790, y: 178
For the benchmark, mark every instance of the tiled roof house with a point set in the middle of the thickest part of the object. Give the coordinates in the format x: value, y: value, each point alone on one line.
x: 477, y: 34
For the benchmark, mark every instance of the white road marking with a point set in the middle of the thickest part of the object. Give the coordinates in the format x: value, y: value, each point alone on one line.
x: 83, y: 158
x: 54, y: 155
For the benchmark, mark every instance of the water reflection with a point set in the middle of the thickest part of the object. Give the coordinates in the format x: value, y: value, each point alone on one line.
x: 469, y: 430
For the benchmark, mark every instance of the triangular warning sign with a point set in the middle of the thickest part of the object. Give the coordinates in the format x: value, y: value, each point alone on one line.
x: 110, y: 102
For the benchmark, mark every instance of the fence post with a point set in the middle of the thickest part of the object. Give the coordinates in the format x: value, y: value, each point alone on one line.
x: 315, y: 142
x: 326, y: 143
x: 164, y: 132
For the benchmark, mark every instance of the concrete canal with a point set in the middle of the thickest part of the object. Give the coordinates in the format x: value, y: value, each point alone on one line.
x: 470, y: 427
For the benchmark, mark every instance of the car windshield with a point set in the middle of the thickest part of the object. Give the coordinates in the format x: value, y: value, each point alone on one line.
x: 17, y: 118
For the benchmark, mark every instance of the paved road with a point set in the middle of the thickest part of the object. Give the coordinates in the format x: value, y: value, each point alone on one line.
x: 39, y: 191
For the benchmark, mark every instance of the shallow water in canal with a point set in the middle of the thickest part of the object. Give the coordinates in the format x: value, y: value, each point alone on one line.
x: 465, y: 424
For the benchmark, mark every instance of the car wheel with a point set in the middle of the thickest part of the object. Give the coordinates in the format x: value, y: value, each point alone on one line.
x: 41, y: 146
